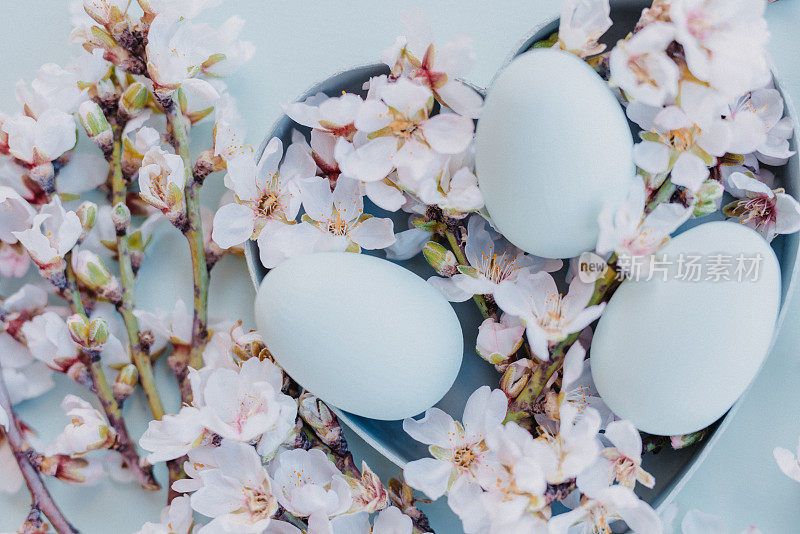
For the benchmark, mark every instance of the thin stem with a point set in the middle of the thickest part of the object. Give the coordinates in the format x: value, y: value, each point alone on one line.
x: 126, y: 305
x: 91, y: 359
x: 480, y: 300
x: 662, y: 195
x: 39, y: 493
x: 522, y: 407
x: 193, y: 231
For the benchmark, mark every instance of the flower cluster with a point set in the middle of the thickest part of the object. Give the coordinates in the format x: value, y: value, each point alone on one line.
x: 249, y: 450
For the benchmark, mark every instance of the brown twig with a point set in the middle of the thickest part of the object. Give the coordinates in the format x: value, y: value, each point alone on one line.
x: 42, y: 500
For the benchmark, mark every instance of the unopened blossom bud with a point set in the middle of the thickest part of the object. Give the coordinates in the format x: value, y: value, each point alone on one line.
x: 425, y: 224
x: 126, y: 381
x: 87, y: 213
x: 368, y: 493
x: 93, y: 273
x: 516, y: 378
x: 680, y: 442
x: 707, y: 199
x: 324, y: 422
x: 133, y: 100
x: 441, y: 259
x: 90, y: 335
x: 96, y: 125
x: 121, y: 217
x: 65, y: 468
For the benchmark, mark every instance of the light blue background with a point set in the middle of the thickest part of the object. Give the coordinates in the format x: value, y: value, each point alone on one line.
x: 298, y: 43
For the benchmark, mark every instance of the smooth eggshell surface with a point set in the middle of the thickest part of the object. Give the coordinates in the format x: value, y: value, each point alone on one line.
x: 673, y: 356
x: 552, y: 147
x: 361, y: 333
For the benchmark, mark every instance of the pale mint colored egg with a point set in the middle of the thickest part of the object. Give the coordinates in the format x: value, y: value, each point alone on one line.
x: 552, y: 147
x: 361, y: 333
x: 673, y: 356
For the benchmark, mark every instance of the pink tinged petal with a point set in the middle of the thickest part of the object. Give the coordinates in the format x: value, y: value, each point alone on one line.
x: 448, y: 133
x: 317, y: 198
x: 788, y: 214
x: 450, y: 289
x: 537, y: 338
x: 347, y: 199
x: 297, y: 164
x: 641, y: 518
x: 370, y: 162
x: 408, y: 244
x: 341, y: 110
x: 497, y: 339
x: 434, y: 428
x: 55, y: 133
x: 484, y: 411
x: 406, y: 96
x: 385, y: 196
x: 672, y: 118
x: 573, y: 365
x: 233, y: 225
x: 624, y: 436
x: 268, y: 163
x: 374, y: 233
x: 651, y: 156
x: 689, y: 171
x: 373, y: 116
x: 461, y: 98
x: 429, y: 476
x: 417, y: 160
x: 697, y: 522
x: 748, y: 133
x: 201, y: 88
x: 586, y: 317
x: 480, y: 244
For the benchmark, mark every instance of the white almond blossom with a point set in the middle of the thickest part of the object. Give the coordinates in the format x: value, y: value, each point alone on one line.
x: 174, y: 435
x: 724, y: 42
x: 498, y: 340
x: 459, y: 449
x: 452, y: 185
x: 440, y: 69
x: 641, y: 67
x: 339, y: 216
x: 769, y: 211
x: 88, y: 430
x: 514, y: 500
x: 388, y: 521
x: 583, y: 22
x: 403, y: 134
x: 596, y: 513
x: 309, y: 485
x: 331, y: 115
x: 42, y: 140
x: 247, y: 405
x: 48, y: 339
x: 549, y: 316
x: 757, y: 118
x: 54, y: 232
x: 175, y: 326
x: 494, y: 263
x: 229, y: 130
x: 11, y: 481
x: 162, y: 179
x: 15, y: 214
x: 683, y: 140
x: 268, y: 191
x: 237, y: 493
x: 629, y: 233
x: 178, y: 50
x: 620, y: 463
x: 176, y: 518
x: 53, y: 88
